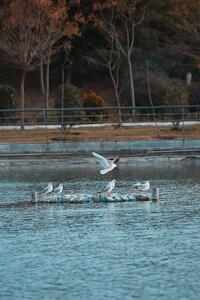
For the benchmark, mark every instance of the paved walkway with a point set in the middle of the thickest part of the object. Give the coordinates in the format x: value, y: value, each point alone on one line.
x: 125, y: 124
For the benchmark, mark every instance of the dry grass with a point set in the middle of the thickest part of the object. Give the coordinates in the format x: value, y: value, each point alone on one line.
x: 110, y: 133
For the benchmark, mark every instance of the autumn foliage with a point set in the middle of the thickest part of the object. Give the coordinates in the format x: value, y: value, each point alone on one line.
x: 91, y: 99
x: 32, y: 31
x: 56, y: 37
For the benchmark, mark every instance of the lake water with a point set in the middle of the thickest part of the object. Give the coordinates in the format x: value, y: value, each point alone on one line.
x: 101, y: 251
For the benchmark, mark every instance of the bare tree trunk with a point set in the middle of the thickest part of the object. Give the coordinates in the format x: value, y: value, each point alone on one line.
x: 42, y: 78
x: 131, y: 84
x: 117, y: 97
x: 22, y: 96
x: 47, y: 86
x: 150, y: 99
x: 118, y: 104
x: 62, y: 92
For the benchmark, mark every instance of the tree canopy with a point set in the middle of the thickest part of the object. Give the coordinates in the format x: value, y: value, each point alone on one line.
x: 126, y: 33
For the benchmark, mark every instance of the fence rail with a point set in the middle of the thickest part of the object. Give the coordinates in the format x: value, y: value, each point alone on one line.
x: 180, y: 121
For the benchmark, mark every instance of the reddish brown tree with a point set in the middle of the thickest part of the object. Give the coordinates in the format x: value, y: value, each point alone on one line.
x: 184, y: 29
x: 59, y: 27
x: 30, y: 29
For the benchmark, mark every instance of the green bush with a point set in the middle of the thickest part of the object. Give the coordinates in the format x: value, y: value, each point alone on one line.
x: 7, y: 101
x: 194, y: 94
x: 176, y: 95
x: 72, y: 99
x: 158, y: 87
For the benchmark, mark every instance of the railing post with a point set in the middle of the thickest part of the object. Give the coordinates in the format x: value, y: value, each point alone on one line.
x: 23, y: 121
x: 62, y: 120
x: 183, y: 120
x: 46, y: 130
x: 155, y: 194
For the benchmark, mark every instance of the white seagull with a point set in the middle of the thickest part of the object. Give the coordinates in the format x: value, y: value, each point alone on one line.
x: 143, y: 186
x: 108, y: 189
x: 59, y: 189
x: 107, y: 165
x: 48, y: 189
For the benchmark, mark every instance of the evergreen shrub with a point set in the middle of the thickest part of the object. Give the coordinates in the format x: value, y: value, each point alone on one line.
x: 7, y: 101
x: 72, y: 99
x: 176, y: 94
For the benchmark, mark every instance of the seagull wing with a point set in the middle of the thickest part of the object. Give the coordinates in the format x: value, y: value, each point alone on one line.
x: 108, y: 188
x: 42, y: 191
x: 58, y: 190
x: 49, y: 189
x: 101, y: 160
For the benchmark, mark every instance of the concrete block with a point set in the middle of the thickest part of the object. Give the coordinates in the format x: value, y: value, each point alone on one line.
x: 190, y: 144
x: 27, y: 148
x: 161, y: 144
x: 5, y: 148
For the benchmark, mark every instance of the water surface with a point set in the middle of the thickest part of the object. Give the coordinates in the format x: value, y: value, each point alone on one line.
x: 101, y: 251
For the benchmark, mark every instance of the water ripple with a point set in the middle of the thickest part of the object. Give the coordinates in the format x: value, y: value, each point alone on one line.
x: 100, y: 251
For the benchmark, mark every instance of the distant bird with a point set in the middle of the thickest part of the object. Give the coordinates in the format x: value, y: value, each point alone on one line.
x: 188, y: 78
x: 48, y: 189
x: 59, y: 189
x: 143, y: 186
x: 108, y: 189
x: 107, y: 165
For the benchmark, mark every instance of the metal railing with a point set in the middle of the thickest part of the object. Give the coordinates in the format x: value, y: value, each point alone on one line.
x: 54, y: 124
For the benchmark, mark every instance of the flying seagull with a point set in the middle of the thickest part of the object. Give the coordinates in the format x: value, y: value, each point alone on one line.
x: 108, y: 189
x: 143, y: 186
x: 48, y: 189
x: 115, y: 159
x: 58, y: 190
x: 107, y: 165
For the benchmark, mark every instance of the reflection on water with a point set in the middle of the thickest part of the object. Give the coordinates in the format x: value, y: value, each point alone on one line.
x: 101, y: 251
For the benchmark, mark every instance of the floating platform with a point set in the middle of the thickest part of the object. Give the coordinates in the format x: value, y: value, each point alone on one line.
x: 88, y: 198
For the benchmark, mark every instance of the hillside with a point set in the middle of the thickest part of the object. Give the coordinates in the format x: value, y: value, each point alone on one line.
x: 161, y: 54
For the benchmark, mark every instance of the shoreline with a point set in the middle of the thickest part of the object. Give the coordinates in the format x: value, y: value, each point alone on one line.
x: 129, y: 148
x: 76, y: 153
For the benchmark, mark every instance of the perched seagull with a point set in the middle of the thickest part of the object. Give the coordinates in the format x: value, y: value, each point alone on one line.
x: 107, y: 165
x: 108, y: 189
x: 59, y: 189
x: 48, y: 189
x: 142, y: 186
